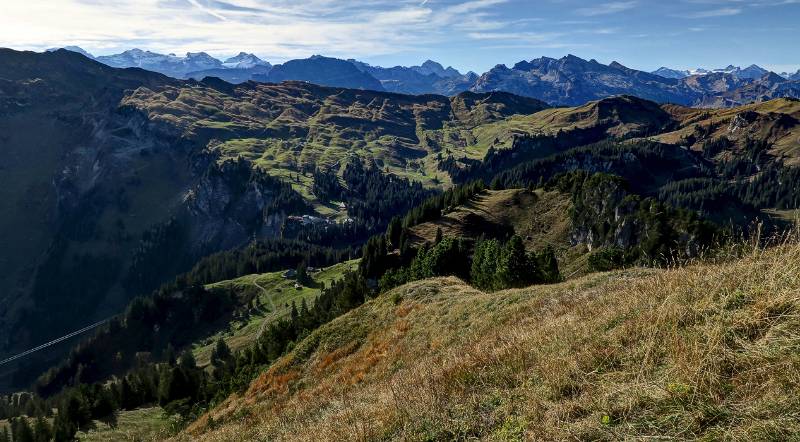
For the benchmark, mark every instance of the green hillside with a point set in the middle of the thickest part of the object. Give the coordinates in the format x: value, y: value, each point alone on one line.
x: 294, y: 126
x: 270, y: 298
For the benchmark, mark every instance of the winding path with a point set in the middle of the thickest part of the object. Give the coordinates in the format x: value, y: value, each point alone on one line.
x: 272, y: 309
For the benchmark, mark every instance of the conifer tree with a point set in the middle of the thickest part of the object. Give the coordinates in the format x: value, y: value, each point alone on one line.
x: 484, y: 264
x: 221, y: 352
x: 22, y: 430
x: 514, y: 269
x: 169, y: 354
x: 548, y: 266
x: 294, y: 314
x: 42, y: 431
x: 187, y: 361
x: 394, y: 231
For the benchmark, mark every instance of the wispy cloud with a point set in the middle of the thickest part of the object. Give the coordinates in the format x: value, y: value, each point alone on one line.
x: 719, y: 12
x: 274, y: 28
x: 607, y: 8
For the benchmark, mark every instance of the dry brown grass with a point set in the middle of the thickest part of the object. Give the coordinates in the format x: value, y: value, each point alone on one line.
x: 708, y: 351
x: 539, y: 217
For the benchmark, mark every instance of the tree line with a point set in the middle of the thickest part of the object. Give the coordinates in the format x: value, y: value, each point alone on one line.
x: 490, y: 264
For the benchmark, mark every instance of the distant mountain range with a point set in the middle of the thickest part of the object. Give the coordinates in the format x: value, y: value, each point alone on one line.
x: 567, y: 81
x: 751, y: 72
x: 197, y: 65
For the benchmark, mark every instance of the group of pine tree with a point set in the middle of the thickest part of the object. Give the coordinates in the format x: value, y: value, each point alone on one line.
x: 493, y: 265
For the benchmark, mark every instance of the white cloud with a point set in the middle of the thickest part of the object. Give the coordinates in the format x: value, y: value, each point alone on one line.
x: 276, y: 29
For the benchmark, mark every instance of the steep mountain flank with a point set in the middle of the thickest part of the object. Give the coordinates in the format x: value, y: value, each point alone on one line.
x: 171, y: 65
x: 231, y: 75
x: 72, y: 163
x: 765, y: 88
x: 118, y: 179
x: 102, y: 203
x: 577, y: 216
x: 430, y: 78
x: 541, y: 218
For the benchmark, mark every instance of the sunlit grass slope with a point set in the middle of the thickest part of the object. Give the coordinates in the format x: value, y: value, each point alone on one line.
x: 706, y: 351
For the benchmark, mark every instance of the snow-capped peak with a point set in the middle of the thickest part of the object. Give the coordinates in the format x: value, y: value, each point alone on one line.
x: 671, y: 73
x: 698, y: 71
x: 244, y: 61
x: 751, y: 72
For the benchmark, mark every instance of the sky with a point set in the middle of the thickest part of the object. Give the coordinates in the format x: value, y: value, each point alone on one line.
x: 466, y: 34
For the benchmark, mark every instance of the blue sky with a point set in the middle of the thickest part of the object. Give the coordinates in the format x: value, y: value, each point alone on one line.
x: 467, y: 34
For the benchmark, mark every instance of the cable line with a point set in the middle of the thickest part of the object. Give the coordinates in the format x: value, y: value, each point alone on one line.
x: 53, y: 342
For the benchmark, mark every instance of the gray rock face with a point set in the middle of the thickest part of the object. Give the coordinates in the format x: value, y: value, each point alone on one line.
x: 607, y: 215
x: 574, y: 81
x: 671, y: 73
x: 232, y: 75
x: 430, y: 78
x: 231, y: 203
x: 432, y: 67
x: 245, y: 61
x: 766, y: 88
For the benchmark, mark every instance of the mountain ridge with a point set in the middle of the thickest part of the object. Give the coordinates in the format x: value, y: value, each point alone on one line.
x: 569, y: 80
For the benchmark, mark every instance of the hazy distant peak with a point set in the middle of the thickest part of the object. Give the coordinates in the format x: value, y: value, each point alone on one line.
x: 77, y: 49
x: 435, y: 68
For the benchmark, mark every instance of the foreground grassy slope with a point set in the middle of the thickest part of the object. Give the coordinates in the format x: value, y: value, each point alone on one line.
x: 706, y: 351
